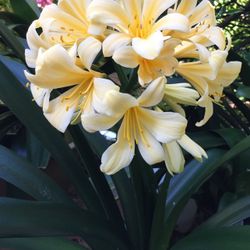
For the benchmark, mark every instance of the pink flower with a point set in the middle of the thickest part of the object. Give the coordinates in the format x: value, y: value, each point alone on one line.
x: 43, y: 3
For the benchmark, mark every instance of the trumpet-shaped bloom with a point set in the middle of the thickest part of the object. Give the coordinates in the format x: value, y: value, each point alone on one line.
x: 180, y: 93
x: 137, y: 23
x: 209, y: 79
x: 174, y: 158
x: 57, y: 69
x: 149, y: 70
x: 65, y: 24
x: 140, y: 125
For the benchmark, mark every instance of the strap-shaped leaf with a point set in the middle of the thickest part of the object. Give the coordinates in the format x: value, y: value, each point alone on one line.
x: 233, y: 238
x: 232, y: 214
x: 185, y: 184
x: 19, y: 218
x: 29, y: 179
x: 18, y: 99
x: 39, y: 243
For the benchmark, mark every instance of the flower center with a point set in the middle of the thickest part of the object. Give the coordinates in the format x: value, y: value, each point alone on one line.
x: 133, y: 129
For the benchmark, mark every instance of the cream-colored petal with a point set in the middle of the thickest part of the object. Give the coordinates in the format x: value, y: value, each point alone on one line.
x: 117, y: 103
x: 61, y: 111
x: 207, y: 103
x: 151, y: 150
x: 192, y: 147
x: 152, y: 9
x: 119, y: 155
x: 153, y: 94
x: 41, y: 96
x: 174, y: 158
x: 181, y: 93
x: 216, y: 36
x: 75, y: 8
x: 150, y: 47
x: 56, y: 69
x: 173, y: 21
x: 88, y: 50
x: 101, y: 88
x: 126, y: 57
x: 108, y: 12
x: 164, y: 126
x: 93, y: 122
x: 132, y: 7
x: 145, y: 74
x: 186, y: 6
x: 95, y: 28
x: 114, y: 42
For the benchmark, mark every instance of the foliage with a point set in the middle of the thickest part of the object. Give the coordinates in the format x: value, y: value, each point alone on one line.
x: 205, y: 207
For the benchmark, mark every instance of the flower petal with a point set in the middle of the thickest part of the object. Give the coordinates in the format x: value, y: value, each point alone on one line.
x: 126, y: 57
x: 150, y: 149
x: 93, y: 122
x: 185, y: 7
x: 88, y: 50
x: 108, y: 12
x: 164, y: 126
x: 169, y: 22
x: 150, y: 47
x: 41, y: 96
x: 153, y: 94
x: 61, y: 111
x: 174, y: 158
x: 114, y: 42
x: 192, y: 147
x: 119, y: 155
x: 56, y: 69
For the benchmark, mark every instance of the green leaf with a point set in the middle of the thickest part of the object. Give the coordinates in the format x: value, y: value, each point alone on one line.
x: 25, y: 9
x: 91, y: 163
x: 230, y: 215
x: 19, y: 100
x: 185, y: 184
x: 39, y: 243
x: 21, y: 218
x: 233, y: 238
x: 31, y: 180
x: 11, y: 40
x: 36, y: 153
x: 231, y: 136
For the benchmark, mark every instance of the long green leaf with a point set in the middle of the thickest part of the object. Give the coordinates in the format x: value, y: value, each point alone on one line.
x: 18, y: 99
x: 12, y: 41
x: 232, y: 214
x: 39, y: 243
x: 92, y: 163
x: 185, y: 184
x: 19, y: 218
x: 233, y: 238
x: 25, y: 9
x: 29, y: 179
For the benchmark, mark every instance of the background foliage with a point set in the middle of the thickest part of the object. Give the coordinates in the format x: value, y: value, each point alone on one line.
x: 53, y: 194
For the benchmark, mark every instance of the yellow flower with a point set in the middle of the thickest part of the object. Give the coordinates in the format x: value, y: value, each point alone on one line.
x: 137, y: 23
x: 163, y: 65
x: 65, y: 24
x: 180, y: 93
x: 209, y: 78
x: 174, y: 158
x: 57, y: 69
x: 141, y: 125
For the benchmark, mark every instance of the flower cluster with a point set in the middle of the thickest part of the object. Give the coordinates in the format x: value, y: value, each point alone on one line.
x: 150, y: 39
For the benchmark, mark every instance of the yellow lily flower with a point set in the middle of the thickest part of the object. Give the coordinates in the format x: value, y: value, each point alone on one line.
x: 174, y: 158
x: 57, y: 69
x: 163, y: 65
x: 180, y: 93
x: 141, y: 125
x: 65, y: 24
x: 209, y: 79
x: 136, y: 23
